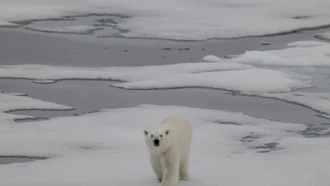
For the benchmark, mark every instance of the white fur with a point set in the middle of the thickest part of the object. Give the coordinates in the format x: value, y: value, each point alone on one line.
x: 170, y: 159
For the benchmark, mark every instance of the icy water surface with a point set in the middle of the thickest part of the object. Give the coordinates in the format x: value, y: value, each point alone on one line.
x: 18, y: 159
x: 87, y: 96
x: 43, y: 43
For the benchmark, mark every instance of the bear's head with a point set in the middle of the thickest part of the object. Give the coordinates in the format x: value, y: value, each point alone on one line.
x: 157, y: 140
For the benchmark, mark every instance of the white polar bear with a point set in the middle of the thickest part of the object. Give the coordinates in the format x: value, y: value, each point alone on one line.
x: 169, y: 148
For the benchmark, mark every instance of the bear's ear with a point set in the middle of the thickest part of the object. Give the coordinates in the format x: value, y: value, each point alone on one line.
x: 167, y: 132
x: 145, y: 132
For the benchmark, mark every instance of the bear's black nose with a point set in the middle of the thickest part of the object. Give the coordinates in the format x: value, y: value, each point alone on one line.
x: 156, y: 142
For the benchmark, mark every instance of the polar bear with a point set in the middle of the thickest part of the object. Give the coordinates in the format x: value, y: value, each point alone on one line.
x: 169, y: 147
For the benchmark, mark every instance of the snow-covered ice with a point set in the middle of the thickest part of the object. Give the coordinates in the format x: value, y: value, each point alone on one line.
x: 7, y: 24
x: 301, y: 53
x: 77, y: 29
x: 324, y: 35
x: 15, y: 101
x: 229, y: 74
x: 107, y: 148
x: 183, y: 19
x: 221, y: 75
x: 211, y: 58
x: 19, y: 101
x: 317, y: 101
x: 47, y: 72
x: 248, y: 80
x: 306, y: 44
x: 14, y: 93
x: 44, y: 81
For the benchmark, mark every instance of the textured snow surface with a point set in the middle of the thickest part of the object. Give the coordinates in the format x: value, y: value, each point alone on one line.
x: 316, y: 101
x: 249, y: 80
x: 3, y: 23
x: 44, y: 81
x: 183, y: 19
x: 107, y: 148
x: 19, y: 101
x: 300, y: 53
x: 324, y: 35
x: 115, y: 73
x: 221, y: 75
x: 211, y: 58
x: 13, y: 101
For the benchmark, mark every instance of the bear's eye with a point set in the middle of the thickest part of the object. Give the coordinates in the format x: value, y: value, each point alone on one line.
x: 152, y: 135
x: 161, y: 136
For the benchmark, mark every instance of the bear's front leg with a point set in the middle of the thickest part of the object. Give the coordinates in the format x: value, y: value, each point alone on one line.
x: 157, y: 166
x: 171, y: 177
x: 171, y: 170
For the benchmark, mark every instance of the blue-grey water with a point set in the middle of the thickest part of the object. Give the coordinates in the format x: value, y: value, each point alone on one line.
x: 19, y: 46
